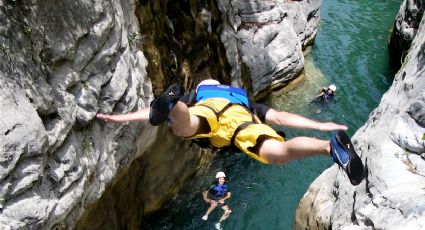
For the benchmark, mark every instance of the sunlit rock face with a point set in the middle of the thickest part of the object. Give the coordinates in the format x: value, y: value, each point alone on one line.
x: 264, y: 41
x: 61, y: 62
x: 404, y: 30
x: 392, y: 146
x: 254, y: 44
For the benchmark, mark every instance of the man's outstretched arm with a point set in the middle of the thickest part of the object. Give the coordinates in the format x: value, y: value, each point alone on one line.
x: 141, y: 115
x: 296, y: 121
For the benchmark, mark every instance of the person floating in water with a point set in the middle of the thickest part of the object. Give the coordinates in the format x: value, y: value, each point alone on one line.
x: 327, y: 94
x: 216, y: 195
x: 225, y: 116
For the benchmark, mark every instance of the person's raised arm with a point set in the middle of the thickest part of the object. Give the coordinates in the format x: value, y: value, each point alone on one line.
x: 141, y: 115
x: 292, y: 120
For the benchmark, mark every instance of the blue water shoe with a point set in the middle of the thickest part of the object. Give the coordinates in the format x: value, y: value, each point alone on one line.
x: 342, y: 152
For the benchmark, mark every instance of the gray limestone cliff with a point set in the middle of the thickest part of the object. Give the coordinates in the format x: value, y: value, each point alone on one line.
x: 254, y: 44
x: 392, y: 146
x: 61, y: 62
x: 264, y: 41
x: 404, y: 30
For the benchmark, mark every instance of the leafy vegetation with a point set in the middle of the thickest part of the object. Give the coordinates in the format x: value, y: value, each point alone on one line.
x: 133, y: 38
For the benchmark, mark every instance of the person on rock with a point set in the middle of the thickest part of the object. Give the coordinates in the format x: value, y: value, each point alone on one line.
x: 224, y: 116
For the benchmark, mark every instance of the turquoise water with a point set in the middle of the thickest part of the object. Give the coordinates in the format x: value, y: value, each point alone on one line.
x: 350, y: 51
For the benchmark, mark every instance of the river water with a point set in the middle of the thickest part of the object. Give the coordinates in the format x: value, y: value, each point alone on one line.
x: 350, y: 51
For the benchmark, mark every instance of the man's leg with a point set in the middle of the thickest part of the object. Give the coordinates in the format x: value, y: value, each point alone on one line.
x: 226, y: 213
x: 280, y: 152
x: 161, y: 107
x: 168, y: 107
x: 213, y: 204
x: 183, y: 123
x: 277, y: 152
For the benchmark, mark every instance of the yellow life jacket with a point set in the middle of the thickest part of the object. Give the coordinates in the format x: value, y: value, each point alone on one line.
x: 226, y: 119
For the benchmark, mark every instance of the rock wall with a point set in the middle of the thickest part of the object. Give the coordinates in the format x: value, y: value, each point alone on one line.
x: 180, y: 40
x: 404, y: 30
x: 151, y: 179
x: 255, y: 44
x: 62, y: 62
x: 392, y: 145
x: 264, y: 41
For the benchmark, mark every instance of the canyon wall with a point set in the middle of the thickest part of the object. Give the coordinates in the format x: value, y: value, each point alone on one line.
x: 61, y: 62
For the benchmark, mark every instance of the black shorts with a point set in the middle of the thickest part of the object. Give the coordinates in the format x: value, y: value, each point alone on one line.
x: 216, y: 198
